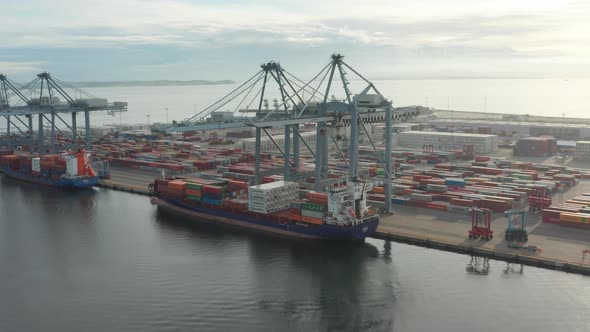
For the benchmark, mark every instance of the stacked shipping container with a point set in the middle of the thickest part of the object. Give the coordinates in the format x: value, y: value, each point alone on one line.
x: 536, y: 146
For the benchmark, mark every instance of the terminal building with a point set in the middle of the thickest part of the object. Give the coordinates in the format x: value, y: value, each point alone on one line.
x: 566, y: 131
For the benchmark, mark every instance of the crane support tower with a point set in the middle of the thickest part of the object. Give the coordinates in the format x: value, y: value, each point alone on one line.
x: 48, y: 99
x: 332, y: 116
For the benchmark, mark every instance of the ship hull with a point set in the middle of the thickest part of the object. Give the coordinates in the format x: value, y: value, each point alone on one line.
x: 65, y: 182
x: 263, y: 224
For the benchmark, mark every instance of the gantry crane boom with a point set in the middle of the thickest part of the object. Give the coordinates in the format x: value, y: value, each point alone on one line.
x: 41, y: 98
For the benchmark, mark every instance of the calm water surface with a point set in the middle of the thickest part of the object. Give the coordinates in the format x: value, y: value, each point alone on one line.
x: 548, y: 97
x: 108, y: 261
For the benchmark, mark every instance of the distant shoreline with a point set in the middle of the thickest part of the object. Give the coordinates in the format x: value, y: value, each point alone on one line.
x: 148, y: 83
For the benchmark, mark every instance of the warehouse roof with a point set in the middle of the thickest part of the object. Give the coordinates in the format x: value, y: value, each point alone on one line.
x: 439, y: 133
x: 533, y: 138
x: 512, y: 123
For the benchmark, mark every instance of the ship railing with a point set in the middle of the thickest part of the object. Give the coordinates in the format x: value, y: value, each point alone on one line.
x: 74, y: 176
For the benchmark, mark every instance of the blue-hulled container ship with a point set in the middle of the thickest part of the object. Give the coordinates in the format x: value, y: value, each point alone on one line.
x: 70, y: 170
x: 274, y: 208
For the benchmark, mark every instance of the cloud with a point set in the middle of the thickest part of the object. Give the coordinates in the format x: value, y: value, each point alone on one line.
x: 20, y: 68
x: 476, y: 31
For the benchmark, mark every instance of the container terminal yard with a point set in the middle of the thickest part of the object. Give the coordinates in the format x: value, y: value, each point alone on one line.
x: 458, y: 189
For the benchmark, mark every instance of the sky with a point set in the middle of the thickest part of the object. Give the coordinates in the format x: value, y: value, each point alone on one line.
x: 107, y: 40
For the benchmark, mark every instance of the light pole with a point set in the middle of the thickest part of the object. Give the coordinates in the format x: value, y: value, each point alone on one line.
x: 148, y: 119
x: 563, y: 126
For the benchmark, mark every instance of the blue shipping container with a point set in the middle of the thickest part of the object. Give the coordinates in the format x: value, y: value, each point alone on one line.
x: 398, y: 200
x: 212, y: 201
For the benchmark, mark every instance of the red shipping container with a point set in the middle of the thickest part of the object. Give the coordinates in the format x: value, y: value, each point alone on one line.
x: 193, y: 192
x: 317, y: 198
x: 236, y: 203
x: 238, y: 184
x: 437, y: 206
x: 210, y: 189
x: 378, y: 190
x: 376, y: 197
x: 482, y: 158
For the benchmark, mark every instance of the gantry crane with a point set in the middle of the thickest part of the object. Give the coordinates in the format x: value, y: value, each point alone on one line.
x: 481, y: 224
x: 516, y: 231
x: 41, y: 98
x: 332, y: 117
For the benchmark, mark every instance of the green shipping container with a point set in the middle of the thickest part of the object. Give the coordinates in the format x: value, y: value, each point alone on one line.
x: 194, y: 186
x: 193, y: 198
x: 314, y: 207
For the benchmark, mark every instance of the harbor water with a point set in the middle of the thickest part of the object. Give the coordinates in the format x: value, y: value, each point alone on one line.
x: 543, y: 97
x: 101, y: 260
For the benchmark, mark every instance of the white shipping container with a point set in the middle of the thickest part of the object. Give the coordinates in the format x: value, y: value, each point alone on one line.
x: 420, y: 197
x: 447, y: 141
x: 72, y: 166
x: 437, y: 187
x: 272, y: 197
x: 36, y: 164
x: 457, y: 208
x: 312, y: 214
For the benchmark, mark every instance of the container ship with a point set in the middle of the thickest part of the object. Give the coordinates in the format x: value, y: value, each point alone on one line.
x: 341, y: 213
x: 67, y: 170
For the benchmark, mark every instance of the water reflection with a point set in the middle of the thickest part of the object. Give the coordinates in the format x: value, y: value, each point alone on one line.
x: 299, y: 282
x: 478, y: 265
x: 387, y: 251
x: 512, y: 268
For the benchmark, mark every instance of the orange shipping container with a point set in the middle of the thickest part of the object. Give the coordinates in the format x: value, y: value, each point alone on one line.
x: 177, y: 184
x: 311, y: 220
x: 378, y: 190
x: 575, y: 217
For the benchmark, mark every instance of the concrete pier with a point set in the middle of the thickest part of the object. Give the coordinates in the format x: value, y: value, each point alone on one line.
x: 561, y: 247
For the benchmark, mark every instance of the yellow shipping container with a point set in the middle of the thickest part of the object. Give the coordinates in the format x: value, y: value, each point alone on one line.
x: 572, y: 201
x: 575, y: 217
x: 503, y: 199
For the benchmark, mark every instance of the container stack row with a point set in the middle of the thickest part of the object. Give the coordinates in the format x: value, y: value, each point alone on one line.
x: 536, y: 146
x: 448, y: 141
x: 450, y: 187
x: 574, y: 212
x: 582, y: 150
x: 49, y: 165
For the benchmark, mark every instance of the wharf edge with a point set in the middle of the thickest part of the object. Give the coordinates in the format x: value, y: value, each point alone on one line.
x: 425, y: 242
x: 507, y: 256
